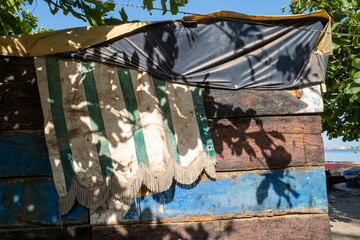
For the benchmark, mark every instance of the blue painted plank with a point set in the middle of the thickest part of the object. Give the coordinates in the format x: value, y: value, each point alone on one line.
x: 34, y: 201
x: 10, y: 201
x: 240, y: 193
x: 24, y: 154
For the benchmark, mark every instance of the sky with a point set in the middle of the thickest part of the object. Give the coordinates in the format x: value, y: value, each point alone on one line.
x: 255, y: 7
x: 251, y: 7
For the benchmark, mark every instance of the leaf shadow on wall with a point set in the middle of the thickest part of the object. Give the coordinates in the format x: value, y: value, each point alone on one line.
x: 245, y: 138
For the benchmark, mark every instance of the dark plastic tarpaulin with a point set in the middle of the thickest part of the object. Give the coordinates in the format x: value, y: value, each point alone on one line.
x: 220, y: 53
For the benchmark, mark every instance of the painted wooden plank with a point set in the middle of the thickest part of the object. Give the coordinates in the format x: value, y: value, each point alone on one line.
x: 312, y: 97
x: 34, y: 201
x: 24, y: 155
x: 283, y: 227
x: 236, y: 194
x: 82, y: 232
x: 10, y: 202
x: 224, y: 103
x: 267, y: 142
x: 240, y: 144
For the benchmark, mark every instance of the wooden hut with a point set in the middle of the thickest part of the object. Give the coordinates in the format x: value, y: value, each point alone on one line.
x: 269, y: 182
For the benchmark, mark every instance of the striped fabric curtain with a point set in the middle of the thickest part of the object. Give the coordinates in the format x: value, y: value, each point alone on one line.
x: 110, y: 130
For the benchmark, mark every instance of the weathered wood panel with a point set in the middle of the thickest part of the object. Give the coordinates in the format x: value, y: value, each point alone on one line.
x: 245, y: 143
x: 17, y: 69
x: 34, y: 201
x: 20, y: 106
x: 240, y: 144
x: 236, y: 194
x: 267, y: 142
x: 82, y: 232
x: 21, y: 109
x: 19, y: 96
x: 24, y: 155
x: 283, y: 227
x: 242, y: 103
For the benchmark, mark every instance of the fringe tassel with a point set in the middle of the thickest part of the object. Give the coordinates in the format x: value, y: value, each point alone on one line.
x: 126, y: 192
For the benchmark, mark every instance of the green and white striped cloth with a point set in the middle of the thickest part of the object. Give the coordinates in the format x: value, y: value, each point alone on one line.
x: 110, y: 130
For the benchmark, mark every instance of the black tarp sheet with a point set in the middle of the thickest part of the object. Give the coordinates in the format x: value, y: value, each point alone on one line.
x: 220, y: 53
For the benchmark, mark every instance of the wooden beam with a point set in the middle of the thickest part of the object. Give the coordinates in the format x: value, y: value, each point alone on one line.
x: 267, y: 142
x: 225, y: 103
x: 21, y: 108
x: 82, y: 232
x: 283, y: 227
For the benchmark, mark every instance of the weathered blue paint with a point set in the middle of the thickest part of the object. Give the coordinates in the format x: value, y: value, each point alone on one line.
x: 249, y: 192
x: 9, y: 202
x: 24, y: 154
x: 34, y: 201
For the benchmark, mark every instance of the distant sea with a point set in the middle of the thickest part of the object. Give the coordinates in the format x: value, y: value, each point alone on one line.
x: 343, y: 155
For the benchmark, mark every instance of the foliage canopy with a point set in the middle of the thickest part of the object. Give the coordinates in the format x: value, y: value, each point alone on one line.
x: 15, y: 20
x: 341, y: 115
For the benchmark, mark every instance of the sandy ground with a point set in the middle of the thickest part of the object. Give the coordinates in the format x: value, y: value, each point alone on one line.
x: 344, y: 212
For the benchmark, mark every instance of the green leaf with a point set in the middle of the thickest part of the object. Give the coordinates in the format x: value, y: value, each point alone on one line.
x: 340, y: 40
x: 163, y: 5
x: 335, y: 25
x: 335, y: 46
x: 123, y: 15
x: 357, y: 77
x: 108, y: 6
x: 354, y: 97
x: 181, y: 2
x: 345, y: 5
x: 94, y: 16
x: 353, y: 89
x: 173, y: 7
x: 148, y: 4
x: 113, y: 21
x: 356, y: 63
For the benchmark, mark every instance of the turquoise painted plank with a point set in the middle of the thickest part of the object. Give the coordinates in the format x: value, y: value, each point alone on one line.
x: 249, y: 192
x: 24, y: 154
x: 34, y: 201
